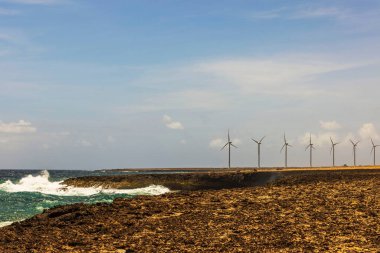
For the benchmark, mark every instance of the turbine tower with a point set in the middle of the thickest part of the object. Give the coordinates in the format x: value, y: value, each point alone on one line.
x: 333, y: 144
x: 311, y: 147
x: 229, y: 143
x: 354, y: 144
x: 258, y: 150
x: 286, y: 145
x: 374, y: 152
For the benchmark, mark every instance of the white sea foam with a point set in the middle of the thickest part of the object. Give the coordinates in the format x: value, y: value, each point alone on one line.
x: 5, y: 223
x: 41, y: 183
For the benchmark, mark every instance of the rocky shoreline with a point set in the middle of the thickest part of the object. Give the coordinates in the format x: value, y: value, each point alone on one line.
x: 203, y: 179
x: 178, y: 181
x: 304, y: 211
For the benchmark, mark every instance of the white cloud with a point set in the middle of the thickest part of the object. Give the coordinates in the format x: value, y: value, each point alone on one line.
x: 269, y: 14
x: 302, y: 12
x: 236, y: 141
x: 368, y: 130
x: 17, y: 127
x: 320, y: 139
x: 276, y: 75
x: 337, y: 13
x: 347, y: 138
x: 85, y: 143
x: 217, y: 143
x: 221, y: 84
x: 170, y: 123
x: 41, y: 2
x: 15, y: 37
x: 186, y: 99
x: 183, y: 141
x: 110, y: 139
x: 197, y: 99
x: 330, y: 125
x: 8, y: 12
x: 6, y: 37
x: 4, y: 52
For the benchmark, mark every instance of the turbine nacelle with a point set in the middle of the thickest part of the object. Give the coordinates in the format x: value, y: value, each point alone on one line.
x: 286, y: 144
x: 258, y: 150
x: 229, y: 144
x: 354, y: 143
x: 310, y: 146
x: 258, y: 142
x: 333, y: 144
x: 373, y: 146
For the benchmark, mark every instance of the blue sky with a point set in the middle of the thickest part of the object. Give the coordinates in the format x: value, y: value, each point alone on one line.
x: 116, y: 84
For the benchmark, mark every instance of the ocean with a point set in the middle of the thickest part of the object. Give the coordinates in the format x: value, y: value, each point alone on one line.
x: 24, y: 193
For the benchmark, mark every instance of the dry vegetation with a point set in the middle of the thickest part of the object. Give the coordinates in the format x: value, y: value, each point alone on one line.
x: 331, y: 211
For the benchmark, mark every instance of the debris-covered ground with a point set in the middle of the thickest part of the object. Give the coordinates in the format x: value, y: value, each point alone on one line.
x: 332, y: 211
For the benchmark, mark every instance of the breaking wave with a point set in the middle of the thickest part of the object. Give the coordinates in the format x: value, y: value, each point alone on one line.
x: 42, y: 184
x: 5, y: 223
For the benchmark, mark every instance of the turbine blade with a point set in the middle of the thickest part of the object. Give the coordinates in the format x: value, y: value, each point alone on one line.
x: 282, y: 148
x: 233, y: 145
x: 284, y: 138
x: 228, y: 135
x: 372, y: 142
x: 331, y: 150
x: 224, y: 146
x: 290, y: 145
x: 372, y: 149
x: 255, y: 141
x: 352, y: 142
x: 331, y: 141
x: 307, y: 147
x: 262, y: 139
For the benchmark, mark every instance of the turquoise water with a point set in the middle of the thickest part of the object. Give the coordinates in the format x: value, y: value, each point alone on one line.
x: 25, y: 193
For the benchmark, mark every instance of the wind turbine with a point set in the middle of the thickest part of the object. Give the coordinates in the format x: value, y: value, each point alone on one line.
x: 333, y: 144
x: 374, y: 152
x: 311, y: 147
x: 258, y: 150
x: 354, y: 144
x: 229, y: 143
x: 286, y: 144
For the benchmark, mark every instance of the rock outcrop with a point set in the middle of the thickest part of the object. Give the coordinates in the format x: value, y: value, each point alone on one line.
x: 178, y: 181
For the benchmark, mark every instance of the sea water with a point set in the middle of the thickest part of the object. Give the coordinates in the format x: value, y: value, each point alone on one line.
x: 24, y: 193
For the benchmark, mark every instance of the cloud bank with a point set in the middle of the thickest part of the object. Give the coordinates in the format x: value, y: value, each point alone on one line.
x: 330, y: 125
x: 368, y: 130
x: 19, y: 127
x: 172, y: 124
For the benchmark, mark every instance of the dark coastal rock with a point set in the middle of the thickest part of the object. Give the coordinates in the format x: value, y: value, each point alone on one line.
x: 330, y: 212
x: 179, y: 181
x: 212, y: 180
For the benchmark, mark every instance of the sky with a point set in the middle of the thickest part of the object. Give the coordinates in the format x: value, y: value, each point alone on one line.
x: 92, y: 84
